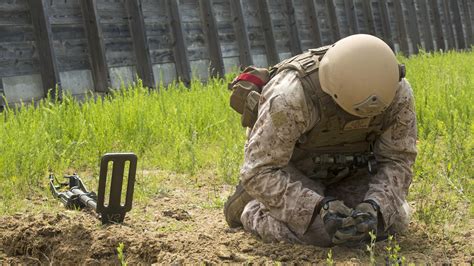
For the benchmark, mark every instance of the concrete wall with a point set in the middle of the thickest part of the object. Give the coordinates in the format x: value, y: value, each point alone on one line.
x: 20, y: 66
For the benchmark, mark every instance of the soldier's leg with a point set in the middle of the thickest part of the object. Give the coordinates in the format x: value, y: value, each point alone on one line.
x: 256, y: 218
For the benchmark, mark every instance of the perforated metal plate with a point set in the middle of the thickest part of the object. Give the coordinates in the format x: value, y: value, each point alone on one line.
x: 113, y: 211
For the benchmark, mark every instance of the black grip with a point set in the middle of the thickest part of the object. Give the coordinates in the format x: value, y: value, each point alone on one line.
x: 402, y: 71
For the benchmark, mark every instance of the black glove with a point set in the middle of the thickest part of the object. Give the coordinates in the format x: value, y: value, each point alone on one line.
x: 335, y: 215
x: 356, y: 230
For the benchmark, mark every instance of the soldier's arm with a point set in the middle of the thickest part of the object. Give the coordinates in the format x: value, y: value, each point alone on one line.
x: 395, y: 151
x: 284, y: 115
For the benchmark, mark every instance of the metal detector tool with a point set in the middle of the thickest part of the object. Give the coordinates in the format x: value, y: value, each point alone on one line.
x: 76, y: 196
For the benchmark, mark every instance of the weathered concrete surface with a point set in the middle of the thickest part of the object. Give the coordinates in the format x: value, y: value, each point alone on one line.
x: 260, y: 60
x: 200, y: 69
x: 284, y: 56
x: 231, y: 64
x: 77, y: 81
x: 23, y: 88
x: 164, y: 73
x: 122, y: 76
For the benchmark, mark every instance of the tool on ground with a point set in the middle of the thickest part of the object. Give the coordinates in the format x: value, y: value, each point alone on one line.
x: 74, y: 195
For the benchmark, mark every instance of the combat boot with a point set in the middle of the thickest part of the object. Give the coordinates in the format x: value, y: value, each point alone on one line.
x: 235, y: 205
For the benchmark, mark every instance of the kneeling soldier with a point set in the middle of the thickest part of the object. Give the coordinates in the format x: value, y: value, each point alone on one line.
x: 332, y: 142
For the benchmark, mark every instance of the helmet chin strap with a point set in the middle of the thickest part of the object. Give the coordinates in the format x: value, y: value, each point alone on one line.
x: 371, y: 106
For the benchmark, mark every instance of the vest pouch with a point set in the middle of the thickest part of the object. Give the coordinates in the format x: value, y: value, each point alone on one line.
x: 252, y: 79
x: 250, y: 112
x: 239, y: 96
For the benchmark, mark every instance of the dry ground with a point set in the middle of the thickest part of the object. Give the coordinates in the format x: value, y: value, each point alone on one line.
x: 184, y: 224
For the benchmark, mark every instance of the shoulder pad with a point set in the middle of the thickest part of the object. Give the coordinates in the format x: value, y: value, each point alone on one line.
x: 320, y: 50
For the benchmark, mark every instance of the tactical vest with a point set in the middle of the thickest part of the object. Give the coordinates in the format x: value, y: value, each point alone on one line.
x: 338, y: 141
x: 336, y: 131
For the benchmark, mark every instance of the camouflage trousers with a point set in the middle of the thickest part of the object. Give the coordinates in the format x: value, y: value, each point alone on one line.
x: 257, y: 219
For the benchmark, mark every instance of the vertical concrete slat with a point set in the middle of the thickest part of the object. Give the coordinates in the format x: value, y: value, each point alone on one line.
x: 369, y: 16
x: 413, y: 25
x: 351, y: 15
x: 295, y: 42
x: 180, y: 50
x: 212, y: 36
x: 241, y: 34
x: 385, y: 18
x: 334, y: 24
x: 425, y: 24
x: 313, y: 22
x: 448, y: 25
x: 471, y: 11
x: 95, y: 42
x: 44, y: 41
x: 439, y: 36
x: 402, y: 30
x: 461, y: 41
x: 468, y: 23
x: 2, y: 95
x: 270, y: 47
x: 140, y: 42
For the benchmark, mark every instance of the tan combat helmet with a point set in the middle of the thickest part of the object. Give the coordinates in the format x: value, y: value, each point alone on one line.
x: 361, y: 74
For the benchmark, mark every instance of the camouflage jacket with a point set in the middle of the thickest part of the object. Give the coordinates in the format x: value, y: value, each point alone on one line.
x: 285, y: 115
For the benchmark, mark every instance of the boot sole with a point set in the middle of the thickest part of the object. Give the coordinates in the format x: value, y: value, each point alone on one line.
x: 235, y: 205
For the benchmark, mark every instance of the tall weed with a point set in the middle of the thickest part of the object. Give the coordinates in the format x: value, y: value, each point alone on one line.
x: 443, y: 85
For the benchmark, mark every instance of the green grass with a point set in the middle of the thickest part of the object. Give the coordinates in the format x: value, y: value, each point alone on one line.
x: 177, y: 129
x: 444, y: 92
x: 193, y: 131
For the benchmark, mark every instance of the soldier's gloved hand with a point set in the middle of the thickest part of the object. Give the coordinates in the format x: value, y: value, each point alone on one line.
x: 334, y: 214
x: 356, y: 230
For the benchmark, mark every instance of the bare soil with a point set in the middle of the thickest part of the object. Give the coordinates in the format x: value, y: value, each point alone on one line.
x: 186, y: 225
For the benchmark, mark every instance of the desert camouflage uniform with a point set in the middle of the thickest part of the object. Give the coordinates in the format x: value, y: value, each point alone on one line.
x: 285, y: 198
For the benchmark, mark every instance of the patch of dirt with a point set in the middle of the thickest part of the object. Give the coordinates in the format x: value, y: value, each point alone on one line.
x: 178, y: 214
x: 186, y: 226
